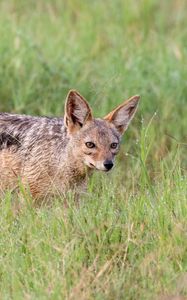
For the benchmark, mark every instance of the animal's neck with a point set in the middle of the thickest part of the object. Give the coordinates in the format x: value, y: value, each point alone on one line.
x: 72, y: 168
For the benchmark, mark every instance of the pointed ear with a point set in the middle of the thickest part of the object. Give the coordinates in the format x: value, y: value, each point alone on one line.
x: 123, y: 114
x: 77, y: 111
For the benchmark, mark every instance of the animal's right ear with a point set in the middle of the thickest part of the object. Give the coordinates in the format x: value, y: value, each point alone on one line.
x: 77, y: 111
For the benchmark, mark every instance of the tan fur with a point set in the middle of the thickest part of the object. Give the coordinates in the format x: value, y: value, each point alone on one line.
x: 10, y: 164
x: 51, y: 156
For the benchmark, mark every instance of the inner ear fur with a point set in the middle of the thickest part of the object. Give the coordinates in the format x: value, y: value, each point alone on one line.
x: 123, y: 114
x: 77, y: 111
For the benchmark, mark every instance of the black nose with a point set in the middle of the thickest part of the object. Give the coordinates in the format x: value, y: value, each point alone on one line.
x: 108, y: 164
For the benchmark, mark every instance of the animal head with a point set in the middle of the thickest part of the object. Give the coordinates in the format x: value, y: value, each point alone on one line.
x: 96, y: 141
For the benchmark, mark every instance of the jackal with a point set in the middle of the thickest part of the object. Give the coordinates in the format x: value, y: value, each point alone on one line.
x: 54, y: 155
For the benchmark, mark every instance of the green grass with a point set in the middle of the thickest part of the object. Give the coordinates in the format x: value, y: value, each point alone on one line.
x: 128, y: 237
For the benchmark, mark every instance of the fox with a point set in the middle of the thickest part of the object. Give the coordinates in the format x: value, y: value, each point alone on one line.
x: 54, y: 155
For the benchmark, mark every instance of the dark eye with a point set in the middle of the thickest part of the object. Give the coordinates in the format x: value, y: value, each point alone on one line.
x: 90, y: 145
x: 114, y: 145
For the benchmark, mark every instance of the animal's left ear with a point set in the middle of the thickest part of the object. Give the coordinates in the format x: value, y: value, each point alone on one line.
x: 123, y: 114
x: 77, y: 111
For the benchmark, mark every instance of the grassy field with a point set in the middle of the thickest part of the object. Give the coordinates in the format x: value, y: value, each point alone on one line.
x: 128, y: 237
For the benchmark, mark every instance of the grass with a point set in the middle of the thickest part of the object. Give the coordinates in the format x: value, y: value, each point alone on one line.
x: 128, y: 237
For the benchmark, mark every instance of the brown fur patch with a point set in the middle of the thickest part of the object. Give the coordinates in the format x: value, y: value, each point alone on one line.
x: 10, y: 163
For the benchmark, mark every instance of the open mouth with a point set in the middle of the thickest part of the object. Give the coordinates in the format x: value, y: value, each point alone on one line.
x: 91, y: 166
